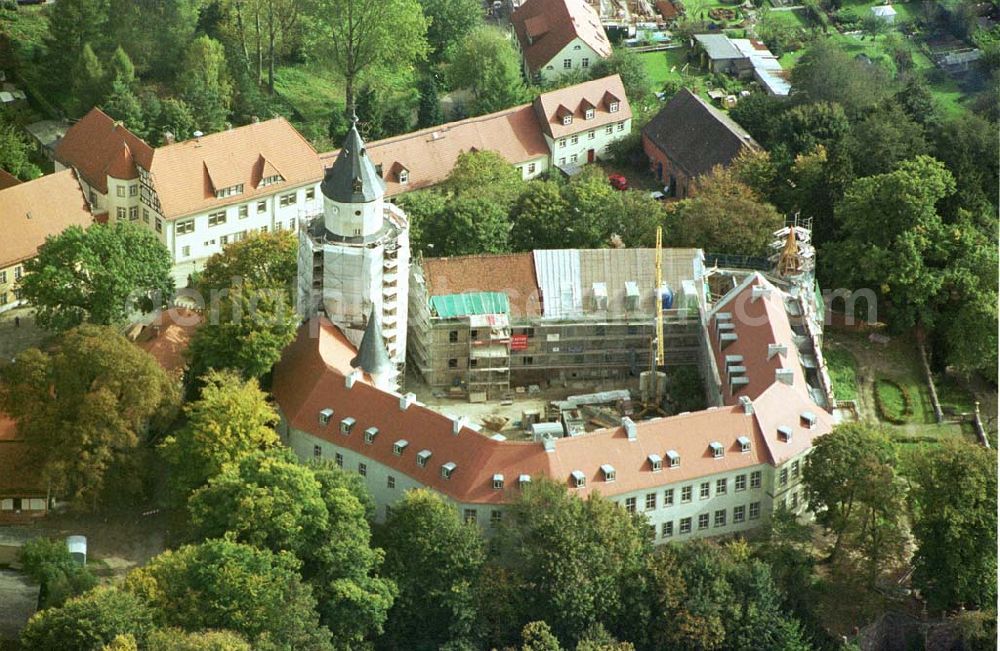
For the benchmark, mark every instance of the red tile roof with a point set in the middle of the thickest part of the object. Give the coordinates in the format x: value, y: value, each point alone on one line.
x: 597, y: 93
x: 98, y: 146
x: 187, y: 174
x: 168, y: 341
x: 311, y: 377
x: 32, y: 211
x: 429, y: 155
x: 511, y: 273
x: 7, y: 180
x: 545, y: 27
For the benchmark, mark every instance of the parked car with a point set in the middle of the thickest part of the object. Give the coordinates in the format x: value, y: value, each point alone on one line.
x: 618, y: 182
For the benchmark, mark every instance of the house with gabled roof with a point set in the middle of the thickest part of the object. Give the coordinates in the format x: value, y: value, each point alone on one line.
x: 200, y: 194
x: 687, y: 138
x: 30, y: 212
x: 559, y: 36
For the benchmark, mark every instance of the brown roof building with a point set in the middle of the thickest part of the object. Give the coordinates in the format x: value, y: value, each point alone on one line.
x: 8, y: 180
x: 559, y: 36
x: 23, y: 490
x: 97, y: 147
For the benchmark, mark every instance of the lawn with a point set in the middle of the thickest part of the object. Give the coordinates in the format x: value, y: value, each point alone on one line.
x: 793, y: 18
x: 666, y: 65
x: 313, y: 96
x: 843, y: 371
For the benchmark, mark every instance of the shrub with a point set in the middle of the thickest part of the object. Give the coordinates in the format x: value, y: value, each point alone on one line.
x: 48, y: 563
x: 892, y: 401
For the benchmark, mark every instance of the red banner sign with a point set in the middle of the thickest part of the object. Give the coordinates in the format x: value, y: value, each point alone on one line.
x: 519, y: 342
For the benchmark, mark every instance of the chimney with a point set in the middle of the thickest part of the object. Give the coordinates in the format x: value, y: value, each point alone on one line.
x: 351, y: 378
x: 406, y: 400
x: 776, y: 349
x: 747, y: 405
x: 169, y: 138
x: 631, y: 431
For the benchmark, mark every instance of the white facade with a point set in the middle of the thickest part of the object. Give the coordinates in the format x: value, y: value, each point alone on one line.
x: 587, y: 144
x: 533, y: 168
x: 576, y: 56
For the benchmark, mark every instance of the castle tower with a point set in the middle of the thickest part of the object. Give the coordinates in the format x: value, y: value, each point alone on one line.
x: 372, y: 357
x: 354, y: 259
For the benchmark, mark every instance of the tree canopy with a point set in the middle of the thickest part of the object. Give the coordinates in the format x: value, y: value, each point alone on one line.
x: 88, y: 622
x: 486, y: 62
x: 263, y: 260
x: 99, y: 275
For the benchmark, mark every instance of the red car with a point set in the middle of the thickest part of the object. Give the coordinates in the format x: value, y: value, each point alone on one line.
x: 618, y: 182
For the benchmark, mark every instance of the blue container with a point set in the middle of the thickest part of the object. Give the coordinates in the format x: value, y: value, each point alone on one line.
x: 666, y: 297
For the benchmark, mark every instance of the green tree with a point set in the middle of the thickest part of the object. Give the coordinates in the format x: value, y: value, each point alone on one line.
x: 448, y: 22
x: 269, y: 500
x: 580, y: 561
x: 967, y: 146
x: 15, y: 152
x: 761, y: 115
x: 204, y: 83
x: 895, y: 240
x: 84, y: 275
x: 174, y: 639
x: 423, y: 208
x: 175, y: 117
x: 435, y: 559
x: 222, y: 584
x: 247, y: 333
x: 486, y: 63
x: 72, y: 25
x: 87, y: 81
x: 230, y: 419
x: 88, y: 622
x: 49, y: 564
x: 537, y: 636
x: 826, y: 72
x: 121, y: 69
x: 122, y: 104
x: 155, y: 34
x: 87, y: 404
x: 542, y: 218
x: 955, y: 526
x: 883, y: 139
x: 470, y: 225
x: 837, y: 473
x: 627, y: 64
x: 723, y: 215
x: 429, y: 112
x: 361, y: 36
x: 805, y: 127
x: 264, y: 260
x: 487, y: 175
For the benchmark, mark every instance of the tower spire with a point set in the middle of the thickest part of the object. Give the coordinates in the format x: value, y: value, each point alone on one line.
x: 372, y: 357
x: 353, y: 177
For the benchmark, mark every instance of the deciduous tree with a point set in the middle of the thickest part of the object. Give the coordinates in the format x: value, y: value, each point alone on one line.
x: 542, y: 218
x: 448, y: 22
x: 955, y: 525
x: 434, y: 558
x: 486, y: 63
x: 264, y: 260
x: 49, y: 564
x: 826, y: 72
x: 88, y: 622
x: 625, y: 63
x: 99, y: 275
x: 87, y: 405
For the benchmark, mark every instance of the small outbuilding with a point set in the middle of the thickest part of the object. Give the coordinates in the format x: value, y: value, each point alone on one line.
x: 885, y: 12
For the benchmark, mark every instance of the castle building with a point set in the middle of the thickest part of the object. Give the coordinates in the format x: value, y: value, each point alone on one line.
x: 354, y: 258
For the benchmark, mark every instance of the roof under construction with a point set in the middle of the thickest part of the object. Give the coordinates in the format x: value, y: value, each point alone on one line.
x: 452, y: 306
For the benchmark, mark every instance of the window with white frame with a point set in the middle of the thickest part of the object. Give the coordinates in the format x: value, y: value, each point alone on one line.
x: 404, y: 176
x: 120, y: 213
x: 120, y: 190
x: 650, y: 501
x: 621, y: 126
x: 496, y: 517
x: 783, y: 477
x: 338, y: 459
x: 686, y: 494
x: 310, y: 194
x: 346, y: 425
x: 159, y: 225
x: 668, y: 529
x: 399, y: 447
x: 720, y: 518
x: 673, y: 459
x: 795, y: 500
x: 470, y: 516
x: 317, y: 451
x: 497, y: 482
x: 370, y: 435
x: 795, y: 469
x: 588, y: 114
x: 531, y: 168
x: 608, y: 130
x: 685, y: 525
x: 133, y: 214
x: 261, y: 206
x: 585, y: 63
x: 244, y: 211
x: 229, y: 191
x: 3, y: 276
x: 668, y: 497
x: 740, y: 483
x: 287, y: 199
x: 183, y: 227
x: 567, y: 120
x: 390, y: 482
x: 423, y: 457
x: 574, y: 140
x: 703, y: 521
x: 721, y: 486
x: 133, y: 190
x: 363, y: 469
x: 630, y: 504
x: 590, y: 135
x: 573, y: 158
x: 739, y: 513
x: 754, y: 510
x: 217, y: 218
x: 562, y: 142
x: 270, y: 180
x: 567, y: 64
x: 18, y: 272
x: 185, y: 251
x: 755, y: 479
x: 704, y: 490
x: 613, y: 107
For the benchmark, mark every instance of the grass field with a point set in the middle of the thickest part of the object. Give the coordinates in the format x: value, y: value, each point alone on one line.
x: 665, y: 66
x: 313, y: 96
x: 843, y: 371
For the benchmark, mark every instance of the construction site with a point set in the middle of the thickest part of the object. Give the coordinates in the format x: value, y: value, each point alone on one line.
x: 562, y: 342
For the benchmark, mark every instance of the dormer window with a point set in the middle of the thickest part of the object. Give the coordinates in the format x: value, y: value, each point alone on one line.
x: 785, y: 433
x: 399, y: 447
x: 447, y: 469
x: 579, y: 479
x: 655, y: 462
x: 609, y: 472
x: 404, y: 176
x: 370, y: 435
x: 347, y: 425
x: 744, y: 443
x: 808, y: 419
x: 613, y: 107
x: 523, y: 480
x: 589, y: 114
x: 325, y: 416
x: 497, y: 482
x: 229, y: 191
x: 567, y: 120
x: 270, y: 180
x: 423, y: 457
x: 673, y: 459
x: 717, y: 450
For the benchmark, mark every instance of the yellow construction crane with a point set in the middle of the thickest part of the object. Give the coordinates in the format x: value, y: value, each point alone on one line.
x: 659, y: 298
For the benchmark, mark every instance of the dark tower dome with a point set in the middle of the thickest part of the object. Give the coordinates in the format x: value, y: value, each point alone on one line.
x: 353, y: 178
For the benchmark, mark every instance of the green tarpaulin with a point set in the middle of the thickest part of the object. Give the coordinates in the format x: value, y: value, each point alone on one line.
x: 455, y: 305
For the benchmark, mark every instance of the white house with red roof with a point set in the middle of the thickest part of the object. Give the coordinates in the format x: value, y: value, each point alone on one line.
x: 558, y: 37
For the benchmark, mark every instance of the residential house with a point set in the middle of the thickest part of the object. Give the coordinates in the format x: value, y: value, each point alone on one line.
x: 7, y: 180
x: 200, y: 194
x: 718, y: 54
x: 563, y: 128
x: 29, y: 213
x: 579, y: 122
x: 687, y: 138
x: 559, y: 36
x: 23, y: 491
